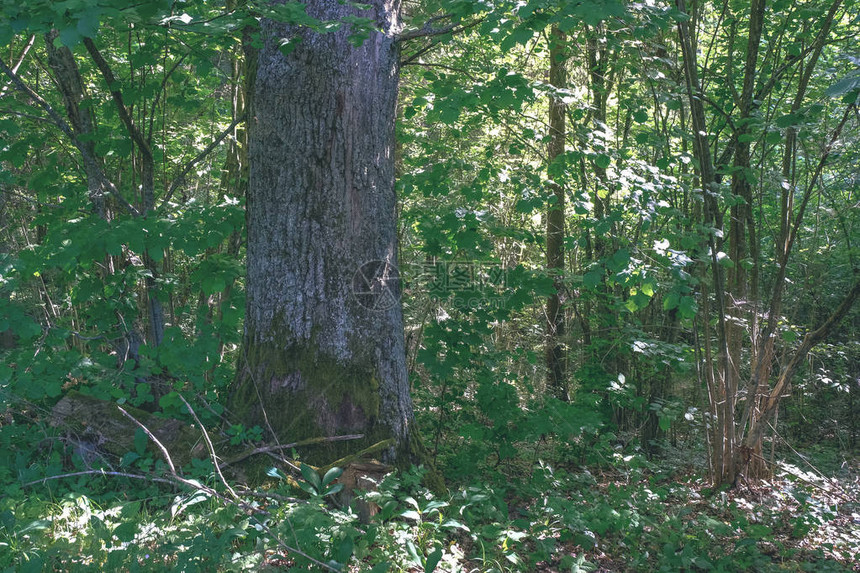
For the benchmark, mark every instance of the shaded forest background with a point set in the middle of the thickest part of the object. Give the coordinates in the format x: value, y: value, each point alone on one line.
x: 628, y: 252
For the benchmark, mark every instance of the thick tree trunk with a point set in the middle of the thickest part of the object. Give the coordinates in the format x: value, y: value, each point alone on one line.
x: 323, y: 350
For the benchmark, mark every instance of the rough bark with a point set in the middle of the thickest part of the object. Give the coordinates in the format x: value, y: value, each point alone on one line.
x: 556, y: 359
x: 320, y: 358
x: 71, y: 87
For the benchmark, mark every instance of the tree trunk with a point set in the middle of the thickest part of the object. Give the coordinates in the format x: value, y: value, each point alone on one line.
x: 742, y: 234
x: 323, y: 348
x: 721, y: 388
x: 556, y: 355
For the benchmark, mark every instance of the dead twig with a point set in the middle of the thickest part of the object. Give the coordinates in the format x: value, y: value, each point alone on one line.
x: 278, y: 448
x: 209, y: 446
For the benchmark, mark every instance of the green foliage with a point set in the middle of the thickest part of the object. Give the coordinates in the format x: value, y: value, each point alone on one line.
x: 605, y: 481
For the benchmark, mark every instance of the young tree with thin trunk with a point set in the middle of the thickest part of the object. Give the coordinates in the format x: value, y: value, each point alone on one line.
x: 556, y: 359
x: 746, y: 319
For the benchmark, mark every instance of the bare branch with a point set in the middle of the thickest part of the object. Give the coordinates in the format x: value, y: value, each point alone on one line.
x: 153, y: 438
x: 99, y: 472
x: 270, y: 449
x: 179, y: 179
x: 209, y: 445
x: 122, y: 110
x: 26, y: 49
x: 428, y: 31
x: 64, y: 127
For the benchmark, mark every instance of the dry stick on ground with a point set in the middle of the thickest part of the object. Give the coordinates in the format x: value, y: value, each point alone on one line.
x: 209, y: 446
x: 208, y: 490
x: 99, y: 472
x: 153, y: 438
x: 273, y: 449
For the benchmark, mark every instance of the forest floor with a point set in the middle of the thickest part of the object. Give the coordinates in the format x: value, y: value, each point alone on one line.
x: 799, y: 520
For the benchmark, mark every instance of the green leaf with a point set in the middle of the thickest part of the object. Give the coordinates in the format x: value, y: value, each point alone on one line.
x: 140, y: 440
x: 308, y: 488
x: 671, y: 301
x: 413, y: 553
x: 32, y: 562
x: 411, y: 514
x: 773, y: 137
x: 848, y: 84
x: 788, y: 120
x: 725, y: 261
x: 331, y: 490
x: 593, y: 278
x: 433, y: 560
x: 275, y: 473
x: 331, y: 475
x: 129, y: 458
x: 7, y: 520
x: 26, y: 328
x: 688, y: 307
x: 311, y: 476
x: 520, y: 35
x: 619, y: 260
x: 344, y: 550
x: 88, y: 24
x: 70, y: 37
x: 37, y: 525
x: 126, y: 531
x: 602, y: 160
x: 454, y: 524
x: 211, y: 285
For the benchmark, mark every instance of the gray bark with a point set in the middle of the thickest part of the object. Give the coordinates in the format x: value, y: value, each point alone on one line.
x: 71, y: 87
x: 317, y: 359
x: 556, y: 356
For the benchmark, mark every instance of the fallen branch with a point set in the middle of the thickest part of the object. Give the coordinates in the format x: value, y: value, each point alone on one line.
x: 272, y: 449
x: 208, y: 445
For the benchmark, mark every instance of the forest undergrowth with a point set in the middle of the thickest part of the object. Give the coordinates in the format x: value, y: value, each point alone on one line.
x: 623, y: 513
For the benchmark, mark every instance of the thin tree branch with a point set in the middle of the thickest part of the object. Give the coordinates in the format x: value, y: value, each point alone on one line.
x: 449, y: 68
x: 310, y: 441
x: 98, y: 472
x: 428, y: 31
x: 153, y: 438
x: 209, y: 445
x: 15, y: 68
x: 179, y: 179
x: 64, y: 127
x: 122, y: 110
x: 161, y: 90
